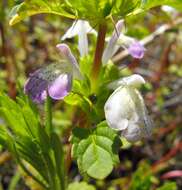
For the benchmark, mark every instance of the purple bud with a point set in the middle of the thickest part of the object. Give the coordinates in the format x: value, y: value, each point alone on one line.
x: 136, y: 50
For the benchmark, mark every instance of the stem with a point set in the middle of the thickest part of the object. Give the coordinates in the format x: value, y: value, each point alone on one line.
x: 48, y: 115
x: 99, y: 51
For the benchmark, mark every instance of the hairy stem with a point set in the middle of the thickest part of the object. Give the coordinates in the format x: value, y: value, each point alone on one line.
x: 99, y: 51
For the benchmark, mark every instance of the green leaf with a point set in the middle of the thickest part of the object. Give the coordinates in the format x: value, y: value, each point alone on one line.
x: 33, y: 7
x: 142, y: 178
x: 29, y: 150
x: 79, y: 94
x: 80, y: 186
x: 148, y: 4
x: 168, y: 186
x: 59, y: 158
x: 96, y: 150
x: 3, y: 135
x: 125, y: 7
x: 92, y: 9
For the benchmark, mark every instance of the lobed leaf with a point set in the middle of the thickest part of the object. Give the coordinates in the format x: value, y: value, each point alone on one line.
x: 96, y: 150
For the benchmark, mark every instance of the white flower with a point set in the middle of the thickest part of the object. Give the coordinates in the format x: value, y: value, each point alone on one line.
x: 80, y: 28
x: 125, y: 109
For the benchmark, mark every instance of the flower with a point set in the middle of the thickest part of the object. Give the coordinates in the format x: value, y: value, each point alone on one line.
x: 54, y: 79
x: 117, y: 40
x: 125, y: 109
x: 80, y: 28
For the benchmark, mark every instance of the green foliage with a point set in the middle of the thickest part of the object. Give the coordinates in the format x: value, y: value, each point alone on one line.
x: 148, y: 4
x: 98, y: 9
x: 95, y: 11
x: 125, y: 7
x: 80, y: 186
x: 28, y: 141
x: 79, y: 94
x: 141, y: 179
x: 33, y: 7
x: 168, y: 186
x: 96, y: 150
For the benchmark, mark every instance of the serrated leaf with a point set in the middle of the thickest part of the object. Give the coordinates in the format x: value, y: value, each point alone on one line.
x: 80, y: 186
x: 96, y: 150
x: 33, y: 7
x: 95, y: 158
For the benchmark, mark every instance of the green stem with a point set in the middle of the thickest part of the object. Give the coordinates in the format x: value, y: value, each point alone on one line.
x: 48, y: 115
x: 98, y: 52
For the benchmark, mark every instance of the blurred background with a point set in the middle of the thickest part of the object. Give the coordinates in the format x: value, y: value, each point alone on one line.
x: 31, y: 44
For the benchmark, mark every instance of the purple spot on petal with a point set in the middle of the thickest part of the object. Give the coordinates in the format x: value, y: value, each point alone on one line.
x: 136, y: 50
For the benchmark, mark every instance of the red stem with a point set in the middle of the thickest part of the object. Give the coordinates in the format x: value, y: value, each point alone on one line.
x: 99, y: 51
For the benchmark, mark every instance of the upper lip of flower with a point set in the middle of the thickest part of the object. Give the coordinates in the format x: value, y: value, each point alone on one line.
x: 80, y: 28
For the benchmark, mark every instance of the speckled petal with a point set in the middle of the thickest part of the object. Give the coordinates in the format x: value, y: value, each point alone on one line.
x: 59, y: 88
x: 35, y: 87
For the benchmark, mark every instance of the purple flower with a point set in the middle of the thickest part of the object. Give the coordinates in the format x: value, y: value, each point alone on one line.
x: 136, y: 50
x: 54, y: 79
x: 117, y: 40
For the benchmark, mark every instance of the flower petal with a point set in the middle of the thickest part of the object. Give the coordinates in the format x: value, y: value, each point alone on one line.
x: 132, y: 133
x: 136, y: 50
x: 119, y: 109
x: 60, y: 87
x: 134, y: 80
x: 111, y: 47
x: 82, y: 39
x: 75, y: 29
x: 35, y: 87
x: 66, y: 52
x: 134, y: 47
